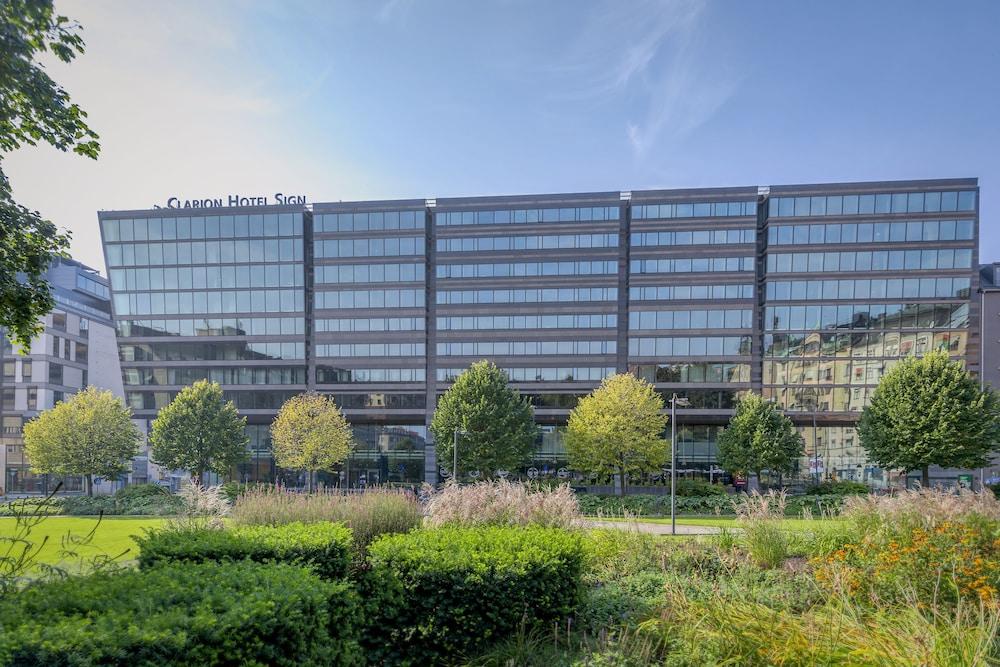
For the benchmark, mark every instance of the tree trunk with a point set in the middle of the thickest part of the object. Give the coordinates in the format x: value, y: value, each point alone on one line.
x: 90, y: 484
x: 925, y: 477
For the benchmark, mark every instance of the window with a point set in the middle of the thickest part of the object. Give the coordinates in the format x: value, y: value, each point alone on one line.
x: 55, y: 373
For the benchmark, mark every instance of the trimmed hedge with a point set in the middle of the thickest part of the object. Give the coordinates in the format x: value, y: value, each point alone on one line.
x: 326, y: 547
x: 645, y: 505
x: 439, y: 595
x: 132, y: 500
x: 205, y: 614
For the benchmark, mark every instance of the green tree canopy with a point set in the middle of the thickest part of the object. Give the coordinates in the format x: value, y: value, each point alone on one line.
x: 497, y: 424
x: 89, y: 434
x: 759, y: 437
x: 930, y: 411
x: 310, y: 434
x: 618, y: 429
x: 33, y: 109
x: 199, y: 431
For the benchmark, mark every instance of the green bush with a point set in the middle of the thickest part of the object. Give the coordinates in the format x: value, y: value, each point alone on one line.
x: 183, y: 614
x: 133, y: 500
x: 653, y: 505
x: 839, y: 488
x: 326, y: 547
x: 444, y: 593
x: 645, y: 505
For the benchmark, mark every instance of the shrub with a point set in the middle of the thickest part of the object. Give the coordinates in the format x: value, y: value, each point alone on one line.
x: 370, y: 514
x: 446, y: 592
x: 207, y: 614
x: 326, y: 547
x: 839, y: 488
x: 503, y: 503
x: 650, y: 505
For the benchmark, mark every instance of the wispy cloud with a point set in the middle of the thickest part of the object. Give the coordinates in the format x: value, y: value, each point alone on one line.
x: 650, y: 53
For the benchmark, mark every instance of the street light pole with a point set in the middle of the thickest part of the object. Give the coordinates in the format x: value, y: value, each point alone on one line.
x: 674, y: 402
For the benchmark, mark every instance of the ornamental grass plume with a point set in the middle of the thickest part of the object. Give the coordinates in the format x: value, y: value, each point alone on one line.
x: 503, y: 503
x: 759, y: 515
x: 919, y: 508
x: 374, y: 512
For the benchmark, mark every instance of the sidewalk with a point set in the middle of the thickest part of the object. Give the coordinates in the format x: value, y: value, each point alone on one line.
x: 654, y: 528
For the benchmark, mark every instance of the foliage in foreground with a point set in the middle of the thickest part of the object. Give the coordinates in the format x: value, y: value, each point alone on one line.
x: 503, y: 503
x: 33, y: 109
x: 183, y: 614
x: 370, y: 514
x: 930, y: 411
x: 926, y: 547
x: 90, y: 434
x: 444, y: 593
x: 325, y: 547
x: 617, y: 429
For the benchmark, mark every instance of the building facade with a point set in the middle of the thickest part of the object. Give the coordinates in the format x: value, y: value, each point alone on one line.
x: 76, y: 349
x: 805, y: 293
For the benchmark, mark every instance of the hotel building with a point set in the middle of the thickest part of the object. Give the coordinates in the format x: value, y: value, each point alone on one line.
x: 806, y: 293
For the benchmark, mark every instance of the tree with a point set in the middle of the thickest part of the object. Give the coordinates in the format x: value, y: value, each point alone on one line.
x: 930, y: 411
x: 90, y: 433
x: 310, y: 434
x: 759, y: 438
x: 199, y: 431
x: 618, y: 429
x: 33, y: 108
x: 497, y: 429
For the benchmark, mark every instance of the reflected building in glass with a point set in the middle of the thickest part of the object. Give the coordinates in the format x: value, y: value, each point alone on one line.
x: 805, y: 293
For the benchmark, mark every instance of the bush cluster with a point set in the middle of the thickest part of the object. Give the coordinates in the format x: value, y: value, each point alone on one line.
x: 132, y: 500
x: 839, y: 488
x: 445, y: 593
x: 370, y: 514
x: 659, y: 506
x: 325, y: 547
x: 183, y: 614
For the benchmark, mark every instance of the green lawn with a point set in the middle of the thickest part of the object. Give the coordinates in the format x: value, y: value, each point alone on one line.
x: 112, y: 538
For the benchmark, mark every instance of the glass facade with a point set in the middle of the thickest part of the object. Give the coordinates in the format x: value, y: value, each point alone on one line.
x: 805, y: 293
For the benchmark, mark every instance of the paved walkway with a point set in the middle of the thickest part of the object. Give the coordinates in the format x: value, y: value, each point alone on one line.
x: 654, y: 528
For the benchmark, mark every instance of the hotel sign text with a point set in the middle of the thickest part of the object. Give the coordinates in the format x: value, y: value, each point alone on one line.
x: 234, y: 200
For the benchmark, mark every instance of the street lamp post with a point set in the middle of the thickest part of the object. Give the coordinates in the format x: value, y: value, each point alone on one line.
x: 675, y: 400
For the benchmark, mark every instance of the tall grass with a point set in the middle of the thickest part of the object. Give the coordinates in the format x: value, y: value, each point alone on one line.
x: 503, y: 503
x: 760, y: 515
x: 369, y: 515
x: 839, y: 632
x: 919, y: 508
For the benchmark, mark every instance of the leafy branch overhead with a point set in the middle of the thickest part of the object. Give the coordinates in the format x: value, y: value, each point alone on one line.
x: 33, y: 109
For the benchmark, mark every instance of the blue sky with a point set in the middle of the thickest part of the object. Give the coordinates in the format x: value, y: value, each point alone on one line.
x: 399, y: 99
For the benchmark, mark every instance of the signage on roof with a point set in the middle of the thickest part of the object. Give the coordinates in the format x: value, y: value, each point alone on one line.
x: 233, y: 200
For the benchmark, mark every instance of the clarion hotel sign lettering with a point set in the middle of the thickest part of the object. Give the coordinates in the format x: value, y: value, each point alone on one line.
x: 234, y: 200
